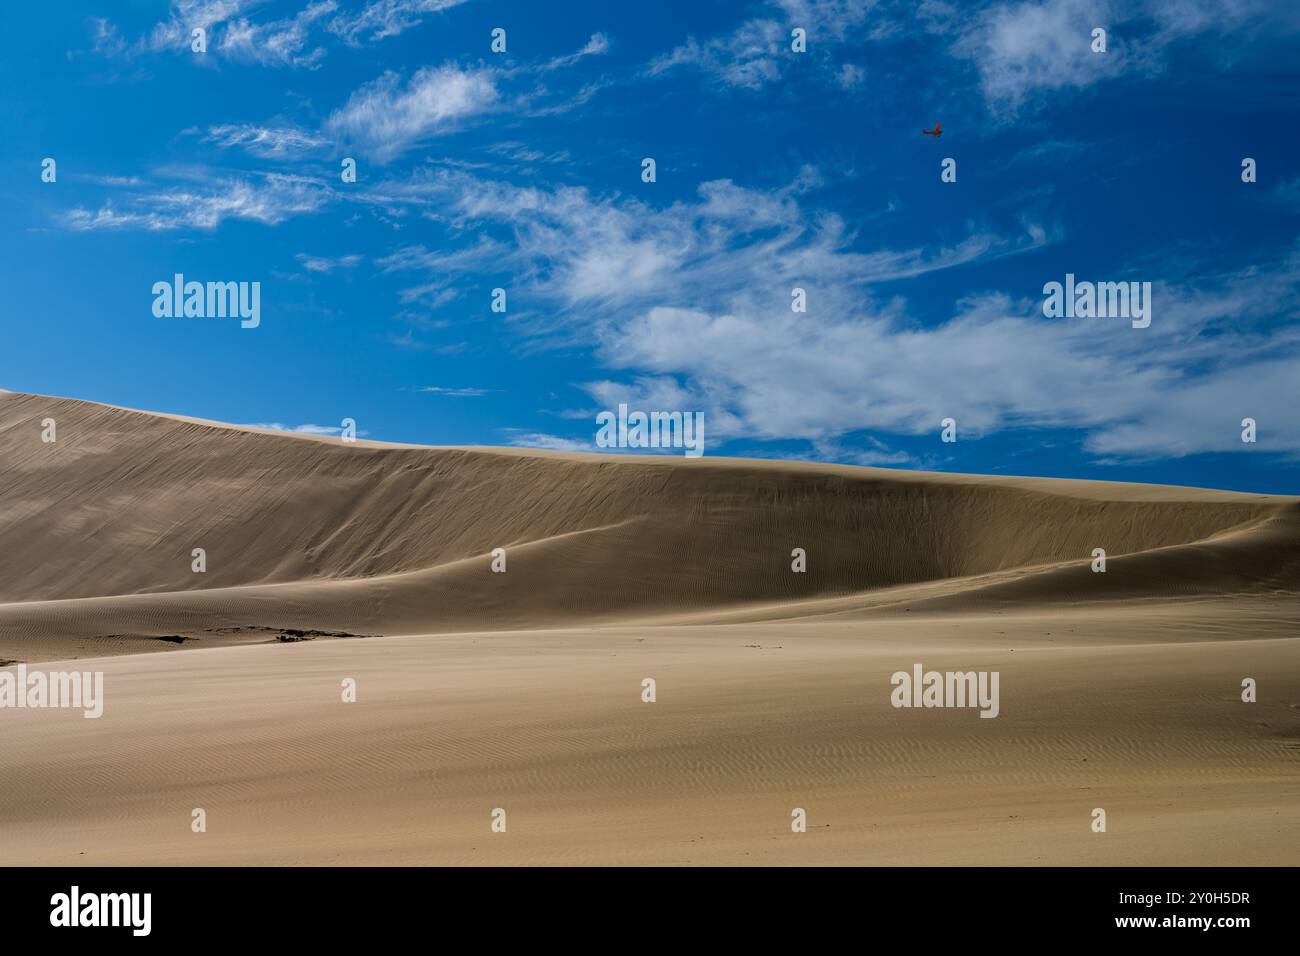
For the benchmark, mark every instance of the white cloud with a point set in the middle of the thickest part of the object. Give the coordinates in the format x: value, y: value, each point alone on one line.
x: 522, y: 153
x: 307, y: 429
x: 747, y: 57
x: 522, y: 439
x: 1179, y: 18
x: 876, y: 455
x: 1026, y: 50
x: 278, y: 42
x: 756, y: 52
x: 1287, y: 193
x: 292, y: 41
x: 604, y: 253
x: 851, y: 76
x: 270, y: 142
x: 184, y: 16
x: 386, y: 118
x: 1023, y: 48
x: 598, y: 45
x: 386, y: 18
x: 122, y: 182
x: 270, y: 201
x: 455, y: 392
x: 326, y: 265
x: 444, y: 267
x: 107, y: 40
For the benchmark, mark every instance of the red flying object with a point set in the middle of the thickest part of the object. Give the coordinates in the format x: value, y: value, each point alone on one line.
x: 936, y: 132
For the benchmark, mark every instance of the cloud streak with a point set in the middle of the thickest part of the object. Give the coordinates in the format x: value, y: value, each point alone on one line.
x: 387, y: 117
x: 269, y: 142
x: 269, y: 199
x: 381, y: 19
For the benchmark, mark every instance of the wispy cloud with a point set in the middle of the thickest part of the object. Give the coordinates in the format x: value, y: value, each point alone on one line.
x: 379, y: 19
x: 236, y: 30
x: 444, y: 267
x: 757, y: 52
x: 269, y: 199
x: 271, y: 142
x: 747, y: 57
x: 598, y: 45
x: 609, y: 252
x: 1287, y: 193
x: 124, y: 182
x: 523, y: 153
x: 1024, y: 48
x: 408, y: 342
x: 107, y: 39
x: 455, y: 392
x: 387, y: 117
x: 325, y: 264
x: 185, y: 16
x: 390, y: 116
x: 307, y: 429
x: 527, y: 439
x: 1022, y: 51
x: 278, y: 42
x: 1025, y: 51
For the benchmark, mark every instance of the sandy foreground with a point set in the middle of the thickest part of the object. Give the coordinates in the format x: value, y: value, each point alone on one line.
x: 523, y: 691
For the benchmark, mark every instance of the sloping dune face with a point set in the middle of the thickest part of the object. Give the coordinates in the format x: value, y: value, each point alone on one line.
x: 99, y: 527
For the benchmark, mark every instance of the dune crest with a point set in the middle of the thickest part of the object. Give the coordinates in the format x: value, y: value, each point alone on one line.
x: 366, y: 538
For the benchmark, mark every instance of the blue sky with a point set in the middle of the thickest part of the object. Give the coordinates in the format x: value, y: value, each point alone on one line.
x: 775, y: 170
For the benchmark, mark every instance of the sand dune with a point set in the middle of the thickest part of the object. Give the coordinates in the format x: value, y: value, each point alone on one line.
x: 523, y: 690
x: 313, y: 533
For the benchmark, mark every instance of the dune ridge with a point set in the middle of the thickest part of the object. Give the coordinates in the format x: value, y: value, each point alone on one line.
x: 368, y: 538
